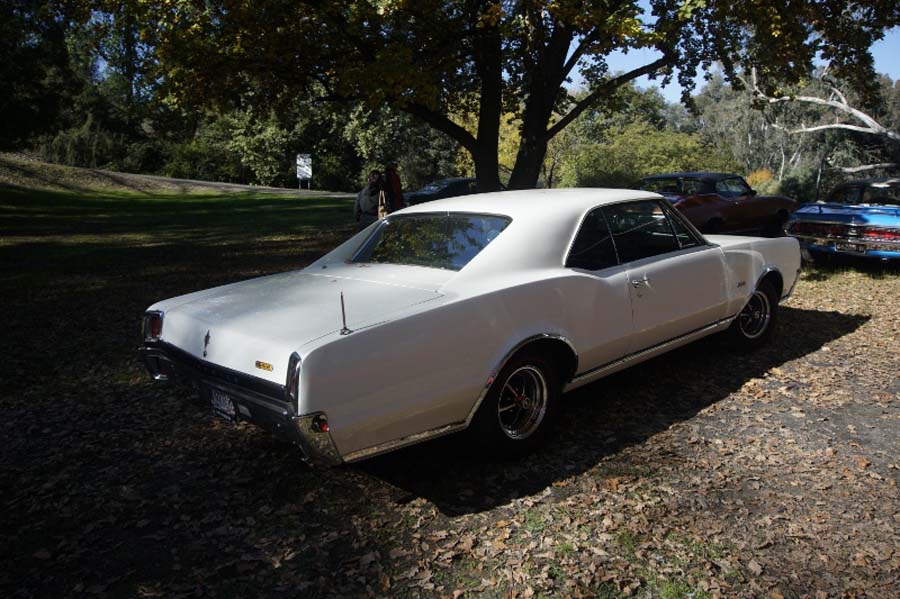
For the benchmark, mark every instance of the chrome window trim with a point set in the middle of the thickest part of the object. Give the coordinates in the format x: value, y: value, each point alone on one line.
x: 672, y: 212
x: 565, y: 263
x: 295, y: 363
x: 667, y: 208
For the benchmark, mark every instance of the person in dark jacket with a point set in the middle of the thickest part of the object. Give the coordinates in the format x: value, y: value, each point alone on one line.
x: 392, y: 187
x: 366, y: 208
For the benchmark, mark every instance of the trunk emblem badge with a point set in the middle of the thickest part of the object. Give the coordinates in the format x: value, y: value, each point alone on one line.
x: 205, y: 343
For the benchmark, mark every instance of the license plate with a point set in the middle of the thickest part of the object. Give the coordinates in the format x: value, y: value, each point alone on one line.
x: 856, y: 248
x: 222, y: 405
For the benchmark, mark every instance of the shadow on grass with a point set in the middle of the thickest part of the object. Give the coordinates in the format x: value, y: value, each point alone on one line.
x: 601, y: 419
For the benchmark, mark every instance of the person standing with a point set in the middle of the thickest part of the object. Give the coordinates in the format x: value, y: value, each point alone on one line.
x: 366, y: 207
x: 392, y: 187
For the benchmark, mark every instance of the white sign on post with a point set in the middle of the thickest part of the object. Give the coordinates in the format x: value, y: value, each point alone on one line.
x: 304, y: 168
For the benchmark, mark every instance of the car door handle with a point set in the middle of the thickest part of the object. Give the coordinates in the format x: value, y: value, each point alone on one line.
x: 638, y: 282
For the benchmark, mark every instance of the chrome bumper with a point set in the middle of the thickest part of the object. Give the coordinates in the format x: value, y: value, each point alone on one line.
x: 850, y: 246
x: 257, y: 401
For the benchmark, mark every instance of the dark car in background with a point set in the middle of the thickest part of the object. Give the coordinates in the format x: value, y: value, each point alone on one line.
x: 442, y: 188
x: 858, y: 218
x: 722, y: 203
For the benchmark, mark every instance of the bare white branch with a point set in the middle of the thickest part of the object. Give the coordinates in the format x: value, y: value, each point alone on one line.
x: 869, y: 167
x: 869, y: 124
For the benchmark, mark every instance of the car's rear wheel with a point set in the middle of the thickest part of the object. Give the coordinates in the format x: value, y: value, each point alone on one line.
x: 520, y: 406
x: 756, y: 321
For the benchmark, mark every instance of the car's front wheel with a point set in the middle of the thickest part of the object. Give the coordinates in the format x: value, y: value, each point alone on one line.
x: 756, y: 321
x: 520, y: 406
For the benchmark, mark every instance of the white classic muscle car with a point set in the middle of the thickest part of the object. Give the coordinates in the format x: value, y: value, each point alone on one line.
x: 475, y: 312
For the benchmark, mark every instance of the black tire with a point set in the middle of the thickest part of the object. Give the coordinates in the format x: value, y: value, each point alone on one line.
x: 754, y: 325
x: 520, y: 407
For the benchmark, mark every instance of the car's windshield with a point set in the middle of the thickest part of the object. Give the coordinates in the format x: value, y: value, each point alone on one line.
x: 436, y: 186
x: 874, y: 193
x: 443, y: 240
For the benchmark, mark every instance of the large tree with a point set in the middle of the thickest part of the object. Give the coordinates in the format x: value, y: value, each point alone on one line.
x: 442, y: 60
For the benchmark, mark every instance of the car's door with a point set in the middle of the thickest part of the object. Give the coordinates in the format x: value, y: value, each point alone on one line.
x: 743, y: 211
x: 598, y: 295
x: 676, y: 280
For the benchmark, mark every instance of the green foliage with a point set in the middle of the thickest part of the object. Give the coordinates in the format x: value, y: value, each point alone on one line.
x: 36, y: 76
x: 636, y: 151
x: 262, y: 144
x: 507, y: 57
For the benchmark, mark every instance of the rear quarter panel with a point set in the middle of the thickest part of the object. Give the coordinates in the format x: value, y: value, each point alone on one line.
x: 428, y: 369
x: 748, y: 259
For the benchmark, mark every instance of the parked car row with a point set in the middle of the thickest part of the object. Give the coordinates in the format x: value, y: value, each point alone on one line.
x: 503, y: 302
x: 859, y: 218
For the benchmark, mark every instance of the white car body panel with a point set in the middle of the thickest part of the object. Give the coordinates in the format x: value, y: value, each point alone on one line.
x: 424, y: 343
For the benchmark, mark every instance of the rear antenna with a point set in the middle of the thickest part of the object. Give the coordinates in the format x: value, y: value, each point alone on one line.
x: 344, y: 329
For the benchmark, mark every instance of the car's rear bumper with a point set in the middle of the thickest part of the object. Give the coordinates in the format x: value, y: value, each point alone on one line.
x: 850, y: 247
x: 255, y: 400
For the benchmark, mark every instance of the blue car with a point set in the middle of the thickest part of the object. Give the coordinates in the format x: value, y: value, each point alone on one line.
x: 859, y: 218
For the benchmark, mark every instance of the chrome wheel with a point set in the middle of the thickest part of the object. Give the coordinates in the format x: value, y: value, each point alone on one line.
x: 754, y: 318
x: 522, y: 404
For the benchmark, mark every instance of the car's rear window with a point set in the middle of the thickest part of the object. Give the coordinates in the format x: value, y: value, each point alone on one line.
x: 673, y: 185
x: 437, y: 240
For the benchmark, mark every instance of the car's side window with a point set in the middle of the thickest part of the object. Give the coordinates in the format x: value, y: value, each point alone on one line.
x: 692, y: 186
x: 686, y: 238
x: 731, y: 188
x: 640, y: 230
x: 593, y: 247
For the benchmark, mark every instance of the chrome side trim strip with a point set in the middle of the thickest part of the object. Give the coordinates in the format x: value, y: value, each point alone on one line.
x: 368, y: 452
x: 600, y: 371
x: 794, y: 284
x: 767, y: 270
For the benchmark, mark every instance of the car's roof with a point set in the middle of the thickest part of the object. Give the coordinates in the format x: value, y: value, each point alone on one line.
x: 693, y: 175
x: 531, y: 203
x: 453, y: 179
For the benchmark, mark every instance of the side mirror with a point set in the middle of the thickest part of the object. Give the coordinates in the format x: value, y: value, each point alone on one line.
x: 752, y: 193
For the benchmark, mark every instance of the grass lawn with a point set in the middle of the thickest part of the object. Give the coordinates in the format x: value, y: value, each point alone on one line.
x: 78, y: 268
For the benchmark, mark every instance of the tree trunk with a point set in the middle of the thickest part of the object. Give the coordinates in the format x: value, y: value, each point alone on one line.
x: 488, y: 62
x: 532, y: 150
x: 543, y: 78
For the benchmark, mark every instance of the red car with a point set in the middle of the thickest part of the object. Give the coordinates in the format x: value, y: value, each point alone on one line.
x: 722, y: 203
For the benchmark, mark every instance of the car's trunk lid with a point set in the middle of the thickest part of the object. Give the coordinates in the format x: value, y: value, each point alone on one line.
x: 255, y: 325
x: 851, y: 214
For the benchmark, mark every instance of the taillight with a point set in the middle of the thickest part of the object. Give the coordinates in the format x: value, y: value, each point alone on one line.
x: 152, y: 326
x: 875, y: 233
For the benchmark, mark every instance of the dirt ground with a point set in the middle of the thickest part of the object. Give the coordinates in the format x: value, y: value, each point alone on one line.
x: 702, y: 473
